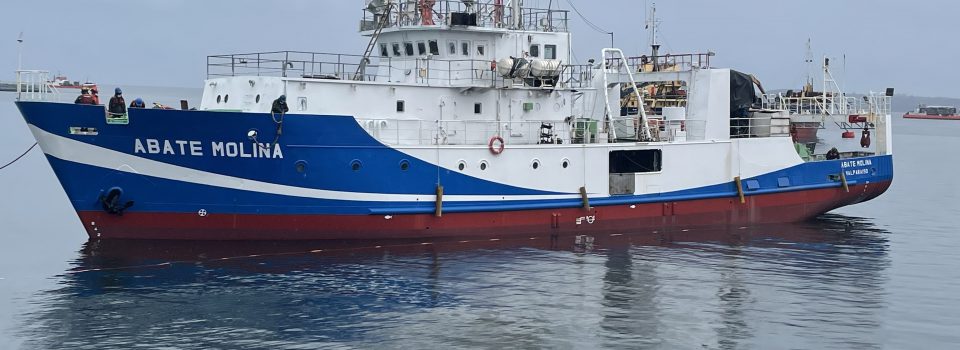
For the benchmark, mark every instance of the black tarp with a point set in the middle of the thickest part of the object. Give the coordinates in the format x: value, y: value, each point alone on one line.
x: 742, y: 96
x: 742, y: 93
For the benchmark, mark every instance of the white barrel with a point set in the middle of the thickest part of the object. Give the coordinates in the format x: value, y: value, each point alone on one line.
x: 504, y: 66
x: 544, y: 68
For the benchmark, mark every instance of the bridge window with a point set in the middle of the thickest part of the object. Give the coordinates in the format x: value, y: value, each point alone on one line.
x: 481, y: 51
x: 452, y: 48
x: 396, y: 50
x: 550, y: 52
x: 434, y: 48
x: 422, y: 48
x: 534, y: 50
x: 635, y: 161
x: 465, y: 48
x: 408, y: 48
x: 384, y: 52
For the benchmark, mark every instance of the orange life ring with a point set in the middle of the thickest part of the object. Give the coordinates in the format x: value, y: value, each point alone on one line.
x: 494, y: 148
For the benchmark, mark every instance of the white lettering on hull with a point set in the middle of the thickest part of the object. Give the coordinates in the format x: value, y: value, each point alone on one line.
x: 217, y: 149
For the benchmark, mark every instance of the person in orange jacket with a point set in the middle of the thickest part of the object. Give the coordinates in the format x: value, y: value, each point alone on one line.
x: 85, y: 98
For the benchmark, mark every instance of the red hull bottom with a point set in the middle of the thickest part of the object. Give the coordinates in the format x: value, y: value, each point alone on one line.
x: 759, y: 209
x: 932, y: 117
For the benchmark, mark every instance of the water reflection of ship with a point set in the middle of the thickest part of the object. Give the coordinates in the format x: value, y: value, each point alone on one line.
x: 331, y: 289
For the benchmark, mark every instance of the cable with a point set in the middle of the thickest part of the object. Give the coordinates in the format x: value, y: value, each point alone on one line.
x: 18, y: 158
x: 584, y: 18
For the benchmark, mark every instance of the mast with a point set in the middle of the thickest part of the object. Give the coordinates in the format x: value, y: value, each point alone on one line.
x: 808, y: 86
x: 20, y: 52
x: 653, y: 24
x: 516, y: 14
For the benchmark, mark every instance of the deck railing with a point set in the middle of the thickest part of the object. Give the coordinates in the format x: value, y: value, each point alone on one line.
x: 34, y: 85
x: 759, y: 126
x: 415, y: 132
x: 670, y: 63
x: 871, y: 104
x: 428, y: 71
x: 297, y: 64
x: 410, y: 13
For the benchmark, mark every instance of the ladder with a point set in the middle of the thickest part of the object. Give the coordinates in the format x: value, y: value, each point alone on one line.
x: 384, y: 21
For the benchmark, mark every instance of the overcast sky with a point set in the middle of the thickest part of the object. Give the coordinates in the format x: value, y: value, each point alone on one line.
x: 910, y: 45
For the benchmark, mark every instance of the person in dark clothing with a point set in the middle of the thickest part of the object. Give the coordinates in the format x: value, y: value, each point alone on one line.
x: 833, y: 154
x: 85, y: 98
x: 280, y: 105
x: 117, y: 105
x: 138, y: 103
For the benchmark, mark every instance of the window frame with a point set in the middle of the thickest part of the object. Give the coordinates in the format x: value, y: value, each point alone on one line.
x: 534, y: 50
x: 434, y: 47
x: 408, y: 49
x: 452, y: 48
x: 384, y: 50
x: 396, y: 50
x: 421, y: 48
x: 550, y: 50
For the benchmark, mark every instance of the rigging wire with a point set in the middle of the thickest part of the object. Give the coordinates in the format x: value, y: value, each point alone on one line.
x: 587, y: 21
x: 18, y: 158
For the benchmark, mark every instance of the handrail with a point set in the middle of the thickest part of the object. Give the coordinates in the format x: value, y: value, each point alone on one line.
x: 34, y: 85
x: 871, y: 104
x: 429, y: 71
x: 488, y: 15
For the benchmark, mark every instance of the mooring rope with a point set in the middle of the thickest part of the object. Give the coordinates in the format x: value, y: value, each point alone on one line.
x: 18, y: 158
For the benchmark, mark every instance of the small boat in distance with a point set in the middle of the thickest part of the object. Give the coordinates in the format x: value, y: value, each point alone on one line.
x: 933, y: 112
x: 62, y: 82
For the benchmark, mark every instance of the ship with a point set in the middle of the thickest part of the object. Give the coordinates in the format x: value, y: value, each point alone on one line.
x: 460, y: 119
x: 934, y: 112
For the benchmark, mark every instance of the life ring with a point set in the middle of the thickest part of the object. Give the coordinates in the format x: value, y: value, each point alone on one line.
x: 494, y: 147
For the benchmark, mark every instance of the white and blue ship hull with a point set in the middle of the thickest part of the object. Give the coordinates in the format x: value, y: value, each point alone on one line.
x: 197, y: 175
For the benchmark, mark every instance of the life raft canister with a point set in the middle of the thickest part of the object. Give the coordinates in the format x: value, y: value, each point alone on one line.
x: 496, y: 145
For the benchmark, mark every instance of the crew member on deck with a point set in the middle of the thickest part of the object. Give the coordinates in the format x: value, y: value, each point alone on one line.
x: 833, y: 153
x: 85, y: 98
x: 96, y: 96
x: 280, y: 105
x: 138, y: 103
x: 117, y: 105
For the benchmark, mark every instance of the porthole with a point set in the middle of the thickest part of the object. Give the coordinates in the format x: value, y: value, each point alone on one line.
x: 536, y: 164
x: 219, y: 98
x: 462, y: 165
x: 257, y: 99
x: 301, y: 166
x: 483, y: 165
x: 565, y: 163
x: 404, y: 165
x: 226, y: 98
x: 355, y: 165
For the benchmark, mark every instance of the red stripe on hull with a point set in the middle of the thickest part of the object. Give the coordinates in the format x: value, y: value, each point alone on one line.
x: 759, y: 209
x: 932, y: 117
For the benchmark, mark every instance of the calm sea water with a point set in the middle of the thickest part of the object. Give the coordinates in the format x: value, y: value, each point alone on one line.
x: 882, y: 274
